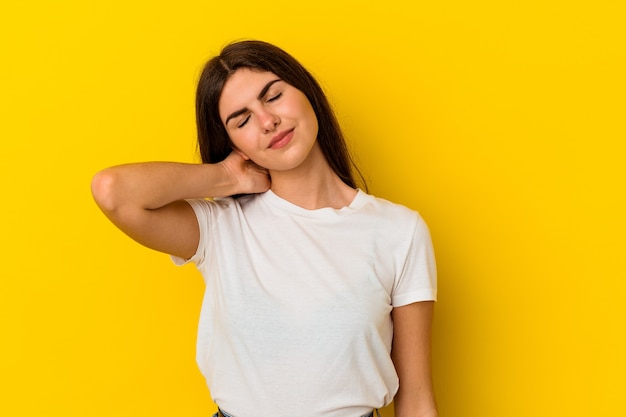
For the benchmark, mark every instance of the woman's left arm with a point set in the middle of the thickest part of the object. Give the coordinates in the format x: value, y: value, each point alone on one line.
x: 411, y: 356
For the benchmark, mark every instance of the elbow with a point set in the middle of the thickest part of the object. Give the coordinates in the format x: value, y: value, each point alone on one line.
x: 103, y: 189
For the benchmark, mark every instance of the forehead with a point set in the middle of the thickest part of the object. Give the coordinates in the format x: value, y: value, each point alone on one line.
x: 241, y: 88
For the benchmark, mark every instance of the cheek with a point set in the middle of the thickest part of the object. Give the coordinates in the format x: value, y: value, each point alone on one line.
x: 242, y: 141
x: 302, y: 109
x: 307, y: 109
x: 311, y: 117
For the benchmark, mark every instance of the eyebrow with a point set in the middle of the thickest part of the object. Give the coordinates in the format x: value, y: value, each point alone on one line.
x: 259, y: 97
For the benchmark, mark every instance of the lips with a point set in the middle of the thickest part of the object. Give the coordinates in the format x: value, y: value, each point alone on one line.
x: 281, y: 139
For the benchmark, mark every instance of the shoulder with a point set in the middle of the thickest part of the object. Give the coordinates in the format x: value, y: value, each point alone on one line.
x: 390, y: 212
x: 395, y: 222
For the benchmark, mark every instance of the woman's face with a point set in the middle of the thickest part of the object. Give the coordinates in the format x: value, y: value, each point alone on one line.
x: 269, y: 121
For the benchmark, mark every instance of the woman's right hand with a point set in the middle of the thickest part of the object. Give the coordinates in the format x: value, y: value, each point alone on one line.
x: 249, y: 177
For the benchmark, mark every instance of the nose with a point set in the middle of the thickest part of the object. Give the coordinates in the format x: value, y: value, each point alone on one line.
x: 268, y: 121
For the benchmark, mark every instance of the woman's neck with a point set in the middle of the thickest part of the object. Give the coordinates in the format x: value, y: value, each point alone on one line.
x: 312, y: 185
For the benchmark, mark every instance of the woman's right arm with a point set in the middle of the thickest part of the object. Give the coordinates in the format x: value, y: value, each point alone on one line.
x: 146, y: 200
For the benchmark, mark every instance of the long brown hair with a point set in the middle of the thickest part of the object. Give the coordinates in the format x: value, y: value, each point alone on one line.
x: 213, y: 141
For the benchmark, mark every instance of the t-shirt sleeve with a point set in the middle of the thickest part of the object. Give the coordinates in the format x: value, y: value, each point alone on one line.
x: 204, y: 210
x: 417, y: 280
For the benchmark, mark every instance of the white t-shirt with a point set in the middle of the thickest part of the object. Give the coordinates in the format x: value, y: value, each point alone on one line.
x: 296, y: 320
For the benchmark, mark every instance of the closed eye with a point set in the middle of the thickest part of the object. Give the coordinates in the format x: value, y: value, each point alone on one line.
x: 245, y: 121
x: 276, y: 97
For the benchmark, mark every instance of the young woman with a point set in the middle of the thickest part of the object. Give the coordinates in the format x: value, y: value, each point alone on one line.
x: 319, y: 297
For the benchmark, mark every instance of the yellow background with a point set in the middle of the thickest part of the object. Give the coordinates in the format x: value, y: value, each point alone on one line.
x: 503, y: 123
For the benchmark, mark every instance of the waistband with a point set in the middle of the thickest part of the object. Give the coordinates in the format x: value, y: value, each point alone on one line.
x: 220, y: 413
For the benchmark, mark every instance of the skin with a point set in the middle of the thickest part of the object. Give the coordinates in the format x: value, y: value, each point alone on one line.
x: 146, y: 200
x: 411, y: 355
